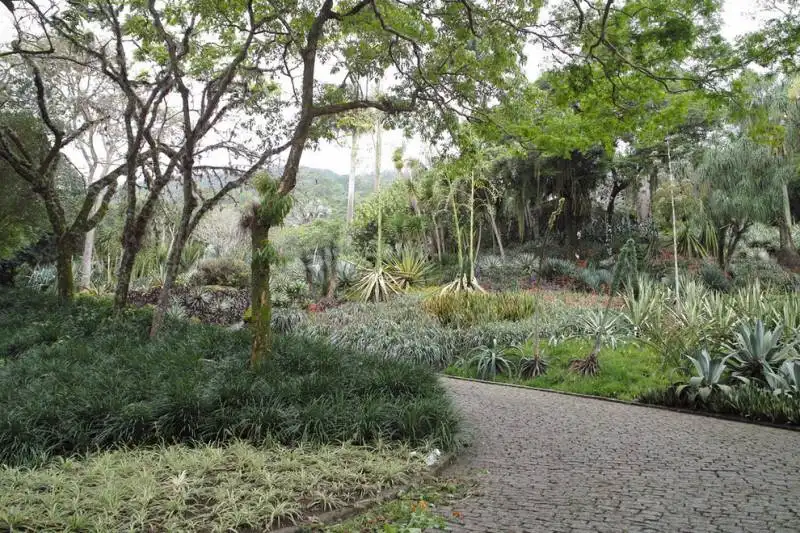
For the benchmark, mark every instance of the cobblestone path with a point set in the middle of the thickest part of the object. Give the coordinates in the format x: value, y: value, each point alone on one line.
x: 548, y: 462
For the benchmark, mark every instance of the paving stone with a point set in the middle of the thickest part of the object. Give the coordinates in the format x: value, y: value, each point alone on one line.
x: 547, y: 462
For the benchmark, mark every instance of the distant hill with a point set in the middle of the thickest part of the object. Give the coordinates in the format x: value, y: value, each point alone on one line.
x: 323, y: 190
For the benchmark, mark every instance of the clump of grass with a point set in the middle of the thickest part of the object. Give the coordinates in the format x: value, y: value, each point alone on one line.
x: 205, y: 488
x: 105, y: 384
x: 464, y: 309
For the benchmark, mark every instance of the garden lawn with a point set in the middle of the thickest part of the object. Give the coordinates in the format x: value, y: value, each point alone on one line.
x: 206, y: 488
x: 625, y: 372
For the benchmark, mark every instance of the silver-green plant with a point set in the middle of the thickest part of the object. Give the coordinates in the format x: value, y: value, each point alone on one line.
x: 489, y: 361
x: 756, y: 351
x: 786, y: 380
x: 709, y: 377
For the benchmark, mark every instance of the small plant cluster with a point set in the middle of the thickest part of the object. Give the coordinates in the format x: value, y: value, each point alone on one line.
x: 569, y: 274
x: 525, y: 360
x: 221, y: 271
x: 212, y: 304
x: 463, y: 309
x: 78, y: 378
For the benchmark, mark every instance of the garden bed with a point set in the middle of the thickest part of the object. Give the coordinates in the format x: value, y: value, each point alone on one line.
x: 205, y: 488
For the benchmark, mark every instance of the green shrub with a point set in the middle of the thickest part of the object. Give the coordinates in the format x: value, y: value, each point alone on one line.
x: 109, y: 385
x: 714, y: 278
x: 746, y: 271
x: 554, y: 268
x: 749, y: 402
x: 463, y: 309
x: 221, y: 271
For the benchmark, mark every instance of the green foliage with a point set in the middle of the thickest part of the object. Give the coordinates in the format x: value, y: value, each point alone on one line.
x: 488, y: 362
x: 377, y: 284
x: 709, y: 377
x: 23, y: 219
x: 786, y: 380
x: 750, y: 402
x: 531, y: 362
x: 464, y: 309
x: 198, y: 488
x: 408, y: 266
x: 628, y: 371
x: 554, y: 268
x: 80, y: 379
x: 756, y: 351
x: 714, y: 278
x: 221, y: 271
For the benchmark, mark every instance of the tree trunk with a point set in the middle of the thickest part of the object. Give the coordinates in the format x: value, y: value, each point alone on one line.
x: 124, y: 273
x: 496, y: 232
x: 176, y: 247
x: 64, y: 280
x: 86, y: 260
x: 332, y: 278
x: 260, y: 300
x: 787, y: 255
x: 351, y: 181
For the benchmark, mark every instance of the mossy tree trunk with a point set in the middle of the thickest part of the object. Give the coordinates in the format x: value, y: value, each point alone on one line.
x: 260, y: 298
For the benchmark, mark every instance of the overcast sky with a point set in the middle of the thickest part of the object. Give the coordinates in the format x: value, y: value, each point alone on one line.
x: 738, y: 18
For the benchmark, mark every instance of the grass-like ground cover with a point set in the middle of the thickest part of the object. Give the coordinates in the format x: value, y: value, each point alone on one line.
x: 626, y: 371
x: 235, y: 487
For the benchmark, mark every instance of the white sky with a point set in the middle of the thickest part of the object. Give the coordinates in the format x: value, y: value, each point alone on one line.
x: 737, y: 16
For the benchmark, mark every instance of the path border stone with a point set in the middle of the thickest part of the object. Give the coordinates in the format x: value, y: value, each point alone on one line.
x: 707, y: 414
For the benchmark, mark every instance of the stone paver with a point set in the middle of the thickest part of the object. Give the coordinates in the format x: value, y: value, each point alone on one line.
x: 548, y: 462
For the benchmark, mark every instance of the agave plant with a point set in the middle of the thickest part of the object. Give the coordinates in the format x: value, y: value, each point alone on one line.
x: 376, y: 284
x: 531, y: 362
x: 756, y: 351
x: 786, y: 380
x: 709, y: 378
x: 489, y: 361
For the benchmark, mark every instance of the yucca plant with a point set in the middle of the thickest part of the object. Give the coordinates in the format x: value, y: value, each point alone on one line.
x: 531, y: 362
x: 750, y: 301
x: 488, y: 361
x: 709, y: 378
x: 376, y: 284
x: 409, y: 266
x: 756, y: 351
x: 643, y: 303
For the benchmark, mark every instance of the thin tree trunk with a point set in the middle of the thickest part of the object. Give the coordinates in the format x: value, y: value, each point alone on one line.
x: 787, y: 256
x: 351, y: 181
x: 65, y: 281
x: 496, y: 232
x: 260, y: 299
x: 86, y: 260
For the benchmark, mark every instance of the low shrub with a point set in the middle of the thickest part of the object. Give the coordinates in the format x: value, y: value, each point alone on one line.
x: 221, y: 271
x: 553, y: 269
x: 714, y: 278
x: 750, y: 402
x: 461, y: 309
x: 745, y: 271
x: 108, y: 385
